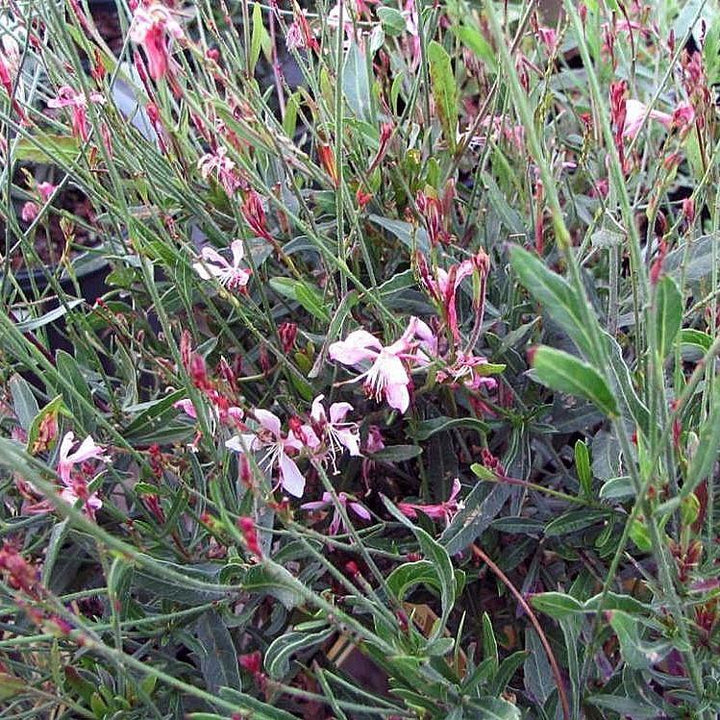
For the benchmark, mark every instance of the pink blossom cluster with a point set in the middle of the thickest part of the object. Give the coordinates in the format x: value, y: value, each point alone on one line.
x: 153, y: 27
x: 76, y: 470
x: 325, y: 435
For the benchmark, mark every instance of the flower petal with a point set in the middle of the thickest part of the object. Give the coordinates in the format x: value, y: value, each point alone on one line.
x: 290, y: 477
x: 359, y: 345
x: 269, y: 421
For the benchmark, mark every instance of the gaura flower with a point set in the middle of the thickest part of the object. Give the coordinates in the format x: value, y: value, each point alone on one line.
x: 635, y: 112
x: 76, y: 484
x: 67, y: 97
x: 338, y: 433
x: 87, y: 450
x: 273, y: 445
x: 214, y: 265
x: 442, y: 511
x: 337, y: 520
x: 387, y: 377
x: 219, y: 163
x: 151, y: 28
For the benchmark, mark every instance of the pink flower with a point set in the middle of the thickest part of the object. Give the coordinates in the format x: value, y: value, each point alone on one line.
x: 67, y: 97
x: 442, y: 511
x: 338, y: 433
x: 87, y: 450
x: 76, y: 483
x: 30, y: 210
x: 214, y: 265
x: 387, y: 377
x: 78, y: 490
x: 272, y: 445
x: 151, y: 27
x: 443, y: 288
x: 682, y: 117
x: 221, y: 164
x: 337, y: 520
x: 468, y: 370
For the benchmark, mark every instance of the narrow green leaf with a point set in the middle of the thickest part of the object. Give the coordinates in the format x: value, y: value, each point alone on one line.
x: 356, y: 83
x: 564, y: 372
x: 556, y: 604
x: 307, y: 295
x: 706, y: 454
x: 427, y: 428
x: 574, y: 521
x: 556, y: 296
x: 582, y: 467
x: 696, y: 338
x: 278, y: 654
x: 392, y: 21
x: 24, y: 402
x: 397, y: 453
x: 668, y: 312
x: 444, y: 90
x: 260, y: 39
x: 218, y: 660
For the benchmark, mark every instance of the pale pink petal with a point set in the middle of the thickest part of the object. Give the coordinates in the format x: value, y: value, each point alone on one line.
x: 290, y: 477
x: 187, y: 407
x: 87, y: 451
x: 269, y: 421
x: 360, y: 511
x: 397, y: 397
x: 237, y: 252
x: 241, y: 443
x: 391, y: 369
x: 339, y: 411
x: 210, y: 254
x: 358, y: 346
x: 456, y: 487
x: 317, y: 410
x: 350, y: 440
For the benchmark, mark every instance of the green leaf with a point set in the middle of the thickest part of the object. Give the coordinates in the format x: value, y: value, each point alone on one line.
x: 408, y: 575
x: 260, y: 38
x: 538, y: 676
x: 706, y: 454
x: 444, y: 90
x: 668, y: 312
x: 427, y: 428
x: 152, y: 415
x: 482, y: 506
x: 307, y: 295
x: 24, y: 402
x: 561, y: 371
x: 556, y: 604
x: 218, y: 659
x: 49, y: 317
x: 439, y: 558
x: 582, y: 467
x: 617, y: 487
x: 411, y: 236
x: 278, y: 654
x: 638, y: 654
x: 356, y: 83
x: 392, y: 21
x: 556, y: 296
x: 68, y: 367
x: 711, y: 52
x: 574, y: 521
x: 397, y: 453
x: 277, y: 582
x: 474, y: 40
x: 696, y: 338
x: 256, y: 709
x: 45, y: 149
